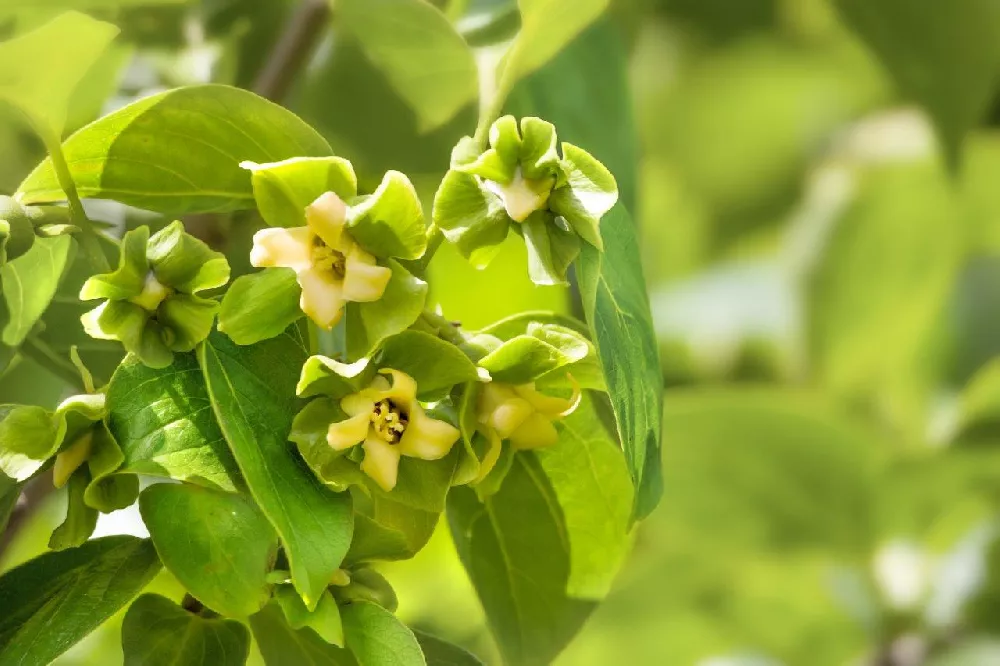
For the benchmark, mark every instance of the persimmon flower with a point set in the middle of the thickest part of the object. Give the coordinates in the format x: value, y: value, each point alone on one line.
x: 522, y: 415
x: 388, y: 422
x: 330, y: 266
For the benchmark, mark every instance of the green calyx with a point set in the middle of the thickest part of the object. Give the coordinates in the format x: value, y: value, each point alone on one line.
x: 521, y: 181
x: 151, y: 302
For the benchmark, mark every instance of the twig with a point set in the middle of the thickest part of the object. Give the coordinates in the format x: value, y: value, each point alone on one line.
x: 293, y: 49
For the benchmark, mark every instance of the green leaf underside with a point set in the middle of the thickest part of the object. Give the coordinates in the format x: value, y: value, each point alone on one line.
x: 158, y: 632
x: 617, y: 308
x: 253, y: 394
x: 499, y: 541
x: 30, y: 283
x: 376, y: 638
x: 54, y: 600
x: 164, y: 424
x: 199, y: 134
x: 418, y: 50
x: 218, y: 545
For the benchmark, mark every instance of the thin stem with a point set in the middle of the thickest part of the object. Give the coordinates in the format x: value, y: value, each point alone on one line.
x: 300, y: 38
x: 88, y: 236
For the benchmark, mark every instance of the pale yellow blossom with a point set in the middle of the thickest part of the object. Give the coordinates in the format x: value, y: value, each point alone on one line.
x: 331, y: 268
x: 388, y: 422
x: 522, y: 415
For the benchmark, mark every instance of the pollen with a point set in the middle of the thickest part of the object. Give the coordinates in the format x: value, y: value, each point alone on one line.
x: 326, y: 258
x: 389, y: 421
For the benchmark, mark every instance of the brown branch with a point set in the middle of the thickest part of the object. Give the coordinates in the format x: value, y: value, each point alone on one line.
x: 302, y: 34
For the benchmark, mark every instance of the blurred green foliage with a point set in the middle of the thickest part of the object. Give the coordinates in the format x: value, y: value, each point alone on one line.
x: 815, y: 183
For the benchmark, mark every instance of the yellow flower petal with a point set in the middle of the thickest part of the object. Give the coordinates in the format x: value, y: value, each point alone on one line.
x: 364, y: 280
x: 322, y: 297
x: 326, y: 216
x: 403, y: 391
x: 427, y: 438
x: 347, y: 433
x: 381, y: 462
x: 491, y: 396
x: 285, y: 248
x: 550, y: 406
x: 492, y: 454
x: 357, y: 403
x: 70, y: 460
x: 509, y: 416
x: 534, y: 433
x: 522, y: 196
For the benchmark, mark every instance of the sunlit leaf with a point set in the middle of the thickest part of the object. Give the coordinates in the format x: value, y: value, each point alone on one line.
x: 218, y: 545
x: 179, y: 151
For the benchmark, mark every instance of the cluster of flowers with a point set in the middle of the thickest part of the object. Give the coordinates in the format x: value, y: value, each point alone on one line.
x: 406, y: 383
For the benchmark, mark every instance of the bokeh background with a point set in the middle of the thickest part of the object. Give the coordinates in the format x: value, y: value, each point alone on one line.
x: 824, y: 273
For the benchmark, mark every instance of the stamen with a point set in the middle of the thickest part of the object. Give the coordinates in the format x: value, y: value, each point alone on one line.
x: 389, y: 421
x: 326, y: 258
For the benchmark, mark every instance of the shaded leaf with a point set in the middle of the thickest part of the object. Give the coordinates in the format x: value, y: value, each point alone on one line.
x: 376, y: 638
x: 253, y: 395
x: 158, y: 632
x: 30, y: 283
x: 95, y: 581
x: 439, y: 652
x: 280, y: 644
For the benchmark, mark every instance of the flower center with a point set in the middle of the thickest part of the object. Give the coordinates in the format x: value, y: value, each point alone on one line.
x: 389, y: 421
x: 153, y: 293
x: 326, y: 258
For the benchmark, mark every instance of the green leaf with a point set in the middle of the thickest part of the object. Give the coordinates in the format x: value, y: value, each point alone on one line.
x: 158, y: 632
x: 614, y: 297
x: 389, y: 530
x: 30, y: 283
x: 199, y: 136
x: 95, y: 580
x: 944, y: 56
x: 260, y: 306
x: 439, y: 652
x: 390, y: 222
x: 80, y: 519
x: 10, y: 492
x: 592, y: 483
x: 163, y: 422
x: 280, y: 644
x: 547, y: 26
x: 376, y: 638
x: 470, y: 217
x: 218, y: 545
x: 284, y: 189
x: 368, y: 324
x: 499, y: 541
x: 40, y: 70
x: 551, y: 248
x: 434, y: 364
x: 525, y: 358
x: 324, y: 620
x: 424, y: 59
x: 253, y: 396
x: 29, y: 436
